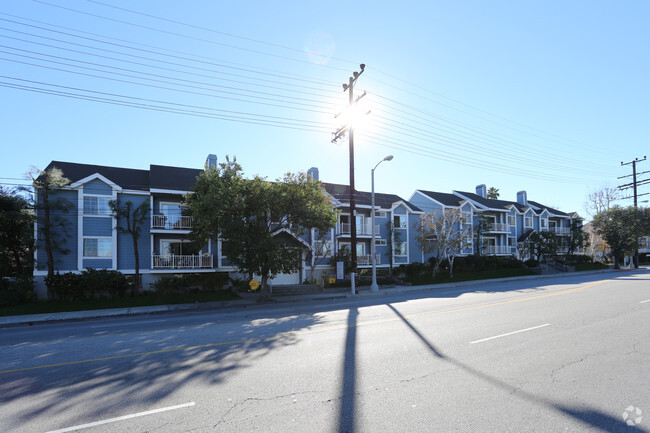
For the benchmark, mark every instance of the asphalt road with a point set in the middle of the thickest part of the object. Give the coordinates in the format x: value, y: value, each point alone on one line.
x: 565, y: 354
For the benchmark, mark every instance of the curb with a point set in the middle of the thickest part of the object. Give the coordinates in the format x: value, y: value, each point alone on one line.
x: 10, y: 321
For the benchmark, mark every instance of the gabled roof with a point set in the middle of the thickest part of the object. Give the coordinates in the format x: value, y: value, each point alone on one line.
x: 443, y: 198
x: 384, y: 201
x: 552, y: 211
x: 127, y: 178
x: 492, y: 203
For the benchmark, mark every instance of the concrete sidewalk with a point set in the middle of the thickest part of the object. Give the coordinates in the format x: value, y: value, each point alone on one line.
x: 251, y: 300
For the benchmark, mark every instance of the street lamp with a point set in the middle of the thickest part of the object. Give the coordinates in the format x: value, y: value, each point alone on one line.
x: 374, y: 287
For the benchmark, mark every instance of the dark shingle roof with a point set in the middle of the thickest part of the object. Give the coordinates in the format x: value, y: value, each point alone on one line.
x: 128, y: 178
x: 176, y: 178
x: 550, y: 209
x: 444, y: 198
x: 491, y: 203
x: 384, y: 201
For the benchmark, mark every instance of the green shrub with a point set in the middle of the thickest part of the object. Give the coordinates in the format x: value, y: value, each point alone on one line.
x: 531, y: 263
x: 103, y: 283
x: 65, y: 287
x: 16, y: 291
x: 186, y: 283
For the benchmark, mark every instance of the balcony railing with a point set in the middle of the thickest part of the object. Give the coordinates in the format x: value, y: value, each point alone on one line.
x: 171, y: 222
x: 366, y: 259
x: 491, y: 249
x: 561, y: 230
x: 363, y: 229
x: 182, y: 262
x: 498, y: 227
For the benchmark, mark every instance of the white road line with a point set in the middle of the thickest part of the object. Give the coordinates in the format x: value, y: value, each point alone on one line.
x: 124, y: 324
x: 509, y: 333
x: 121, y: 418
x: 643, y: 302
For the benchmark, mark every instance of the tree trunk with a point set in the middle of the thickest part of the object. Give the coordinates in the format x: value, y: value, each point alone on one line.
x: 47, y: 233
x: 136, y: 255
x: 451, y: 267
x: 265, y: 296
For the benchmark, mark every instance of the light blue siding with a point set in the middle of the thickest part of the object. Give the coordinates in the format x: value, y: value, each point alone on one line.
x: 65, y: 226
x: 125, y: 256
x: 97, y: 187
x: 97, y: 226
x: 98, y: 263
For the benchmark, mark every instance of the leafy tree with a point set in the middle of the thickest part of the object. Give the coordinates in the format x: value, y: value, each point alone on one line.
x: 444, y: 234
x: 482, y: 226
x: 16, y: 234
x: 621, y: 228
x: 134, y: 218
x: 543, y: 244
x: 257, y: 219
x: 493, y: 193
x: 577, y: 237
x: 51, y: 226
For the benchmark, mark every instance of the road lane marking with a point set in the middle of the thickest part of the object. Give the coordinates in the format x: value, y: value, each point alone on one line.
x: 127, y: 324
x: 122, y: 418
x: 295, y: 333
x: 509, y: 333
x: 643, y: 302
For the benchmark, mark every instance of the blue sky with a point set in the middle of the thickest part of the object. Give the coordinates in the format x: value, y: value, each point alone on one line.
x: 547, y: 97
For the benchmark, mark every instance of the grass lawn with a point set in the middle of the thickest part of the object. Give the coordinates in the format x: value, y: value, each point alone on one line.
x: 443, y: 276
x: 100, y: 304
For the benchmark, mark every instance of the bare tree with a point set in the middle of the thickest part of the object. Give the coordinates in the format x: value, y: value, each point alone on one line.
x: 601, y: 200
x: 444, y: 234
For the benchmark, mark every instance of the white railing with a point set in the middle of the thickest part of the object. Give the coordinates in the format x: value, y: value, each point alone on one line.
x: 363, y: 229
x: 491, y: 249
x: 182, y: 262
x: 171, y: 222
x: 366, y: 259
x: 561, y: 230
x: 498, y: 227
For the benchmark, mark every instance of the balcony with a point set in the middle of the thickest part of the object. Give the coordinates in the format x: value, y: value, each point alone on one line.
x: 563, y: 231
x: 343, y: 229
x: 497, y: 250
x: 182, y: 262
x: 366, y: 259
x: 171, y: 222
x: 498, y: 227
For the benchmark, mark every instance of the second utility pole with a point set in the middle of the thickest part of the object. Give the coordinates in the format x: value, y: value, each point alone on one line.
x: 634, y: 184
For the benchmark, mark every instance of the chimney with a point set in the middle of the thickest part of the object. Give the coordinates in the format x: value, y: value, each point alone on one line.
x: 211, y: 161
x: 481, y: 190
x: 313, y: 173
x: 522, y: 198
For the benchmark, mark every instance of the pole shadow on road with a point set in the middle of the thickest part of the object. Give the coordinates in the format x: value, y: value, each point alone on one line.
x: 595, y: 419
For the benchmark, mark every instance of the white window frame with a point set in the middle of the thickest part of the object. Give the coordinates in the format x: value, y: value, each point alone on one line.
x: 512, y: 220
x: 467, y: 217
x: 403, y: 221
x: 107, y: 212
x: 526, y: 225
x: 381, y: 242
x: 176, y: 241
x: 512, y: 241
x: 405, y: 247
x: 543, y: 223
x: 380, y: 214
x: 98, y: 238
x: 349, y: 245
x: 318, y: 246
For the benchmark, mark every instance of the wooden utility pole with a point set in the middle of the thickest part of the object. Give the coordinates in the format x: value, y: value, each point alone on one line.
x: 349, y: 87
x: 634, y: 186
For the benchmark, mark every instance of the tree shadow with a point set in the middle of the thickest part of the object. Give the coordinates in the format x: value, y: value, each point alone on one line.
x: 594, y: 418
x: 147, y: 371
